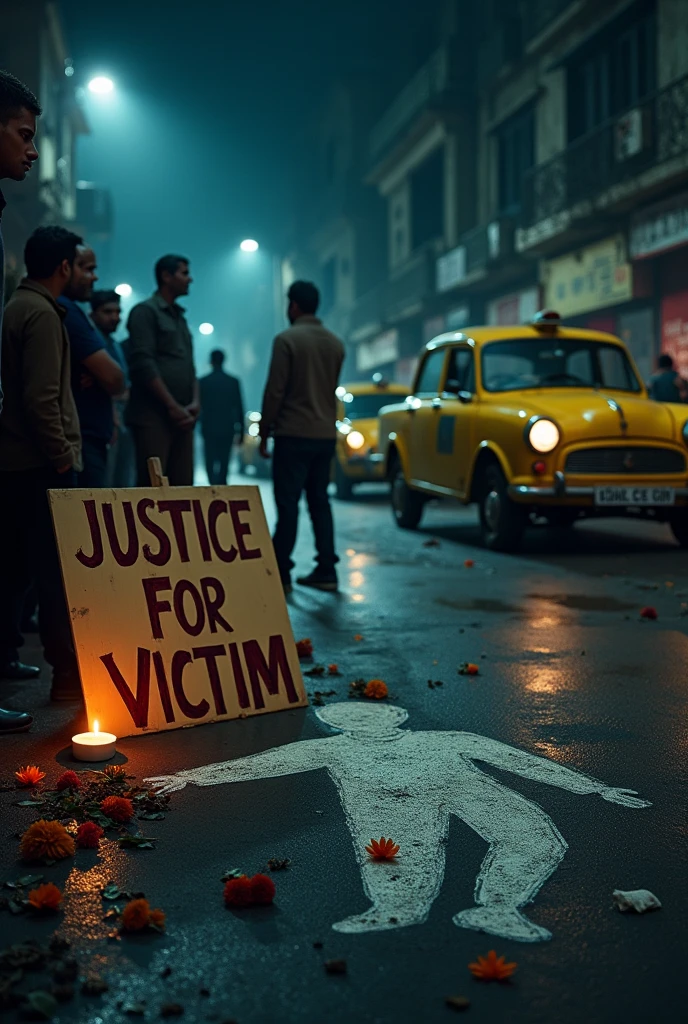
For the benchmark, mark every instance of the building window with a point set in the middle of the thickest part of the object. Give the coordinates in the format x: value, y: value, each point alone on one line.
x: 516, y: 155
x: 427, y: 200
x: 614, y: 73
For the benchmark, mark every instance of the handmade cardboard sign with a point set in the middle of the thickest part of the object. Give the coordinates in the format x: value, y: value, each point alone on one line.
x: 177, y: 609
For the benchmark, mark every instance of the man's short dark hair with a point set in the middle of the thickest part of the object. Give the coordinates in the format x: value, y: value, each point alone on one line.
x: 305, y: 295
x: 14, y: 97
x: 103, y: 297
x: 168, y: 265
x: 47, y: 248
x: 217, y: 357
x: 665, y: 362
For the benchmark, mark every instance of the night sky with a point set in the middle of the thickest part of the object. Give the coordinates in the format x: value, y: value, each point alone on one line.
x: 208, y: 134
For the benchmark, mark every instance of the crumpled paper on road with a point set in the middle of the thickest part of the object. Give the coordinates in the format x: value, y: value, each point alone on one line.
x: 640, y: 900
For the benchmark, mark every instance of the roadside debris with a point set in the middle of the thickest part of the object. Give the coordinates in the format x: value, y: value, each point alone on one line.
x: 492, y: 968
x: 640, y: 900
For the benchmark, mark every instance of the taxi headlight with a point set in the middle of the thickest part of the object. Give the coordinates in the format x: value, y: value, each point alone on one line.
x: 253, y: 429
x: 684, y: 432
x: 542, y: 435
x: 355, y: 439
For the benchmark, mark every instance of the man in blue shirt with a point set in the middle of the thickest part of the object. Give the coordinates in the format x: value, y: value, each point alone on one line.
x: 96, y: 376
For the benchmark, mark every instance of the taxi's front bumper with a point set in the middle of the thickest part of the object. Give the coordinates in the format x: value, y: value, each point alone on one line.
x: 562, y: 490
x: 370, y: 466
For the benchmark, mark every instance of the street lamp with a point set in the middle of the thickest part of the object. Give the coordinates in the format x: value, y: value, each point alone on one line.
x: 124, y: 290
x: 206, y: 328
x: 101, y: 85
x: 249, y: 245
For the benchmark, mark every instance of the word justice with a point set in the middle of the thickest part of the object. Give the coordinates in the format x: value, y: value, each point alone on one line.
x: 185, y: 514
x: 245, y: 668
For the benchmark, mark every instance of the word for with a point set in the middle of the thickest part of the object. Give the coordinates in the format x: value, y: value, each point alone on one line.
x: 261, y: 671
x: 204, y: 527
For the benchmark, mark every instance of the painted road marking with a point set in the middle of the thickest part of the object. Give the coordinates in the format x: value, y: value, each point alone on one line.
x: 404, y: 784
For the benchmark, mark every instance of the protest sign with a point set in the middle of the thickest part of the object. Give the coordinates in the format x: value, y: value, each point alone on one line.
x: 177, y: 608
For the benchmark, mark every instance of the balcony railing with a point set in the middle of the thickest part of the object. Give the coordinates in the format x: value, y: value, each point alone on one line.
x: 434, y: 78
x: 625, y: 146
x: 409, y: 286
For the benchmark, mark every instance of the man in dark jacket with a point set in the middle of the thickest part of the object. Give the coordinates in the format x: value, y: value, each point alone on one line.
x: 164, y: 403
x: 300, y: 409
x: 222, y: 417
x: 667, y: 385
x: 19, y: 109
x: 40, y: 448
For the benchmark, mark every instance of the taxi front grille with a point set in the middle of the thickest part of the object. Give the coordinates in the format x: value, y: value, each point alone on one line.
x: 634, y: 461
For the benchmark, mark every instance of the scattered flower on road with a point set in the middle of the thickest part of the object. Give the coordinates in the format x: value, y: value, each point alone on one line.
x: 382, y: 849
x: 29, y: 776
x: 45, y: 897
x: 88, y: 834
x: 469, y: 669
x: 304, y: 648
x: 376, y: 690
x: 46, y: 841
x: 648, y: 612
x: 68, y: 780
x: 262, y: 890
x: 237, y: 892
x: 492, y: 968
x: 117, y: 808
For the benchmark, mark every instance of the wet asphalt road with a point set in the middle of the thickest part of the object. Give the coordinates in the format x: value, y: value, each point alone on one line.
x: 568, y: 671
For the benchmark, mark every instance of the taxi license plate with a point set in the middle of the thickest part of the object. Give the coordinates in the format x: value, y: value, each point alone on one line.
x: 625, y: 496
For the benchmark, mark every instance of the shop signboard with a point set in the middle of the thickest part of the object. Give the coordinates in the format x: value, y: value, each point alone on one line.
x: 589, y: 279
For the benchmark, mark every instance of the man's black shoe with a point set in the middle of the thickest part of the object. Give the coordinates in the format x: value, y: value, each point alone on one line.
x: 18, y: 670
x: 14, y: 721
x: 319, y: 580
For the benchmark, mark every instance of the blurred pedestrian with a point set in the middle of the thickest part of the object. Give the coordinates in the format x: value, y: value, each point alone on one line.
x: 96, y: 377
x: 299, y: 408
x: 164, y: 400
x: 667, y: 384
x: 19, y: 109
x: 222, y: 417
x: 40, y: 448
x: 106, y: 313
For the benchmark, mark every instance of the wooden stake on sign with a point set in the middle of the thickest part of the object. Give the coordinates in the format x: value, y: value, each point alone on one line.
x: 155, y: 473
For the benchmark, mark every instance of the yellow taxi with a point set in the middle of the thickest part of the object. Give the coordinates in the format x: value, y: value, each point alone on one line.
x: 535, y: 421
x: 357, y: 458
x: 249, y: 460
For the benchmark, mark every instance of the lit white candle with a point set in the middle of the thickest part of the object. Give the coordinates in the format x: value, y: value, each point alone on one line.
x: 93, y: 746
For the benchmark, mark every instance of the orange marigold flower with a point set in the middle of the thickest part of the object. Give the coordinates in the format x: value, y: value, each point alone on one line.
x: 68, y: 780
x: 492, y: 968
x: 237, y: 892
x: 136, y: 915
x: 45, y: 897
x: 358, y: 638
x: 157, y: 918
x: 304, y: 648
x: 262, y: 889
x: 468, y: 668
x: 117, y: 808
x: 376, y: 690
x: 115, y: 771
x: 382, y: 849
x: 46, y: 840
x: 88, y: 834
x: 648, y: 612
x: 29, y: 776
x: 333, y: 669
x: 469, y: 563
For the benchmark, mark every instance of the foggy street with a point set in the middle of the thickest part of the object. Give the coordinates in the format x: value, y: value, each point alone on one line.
x: 567, y: 671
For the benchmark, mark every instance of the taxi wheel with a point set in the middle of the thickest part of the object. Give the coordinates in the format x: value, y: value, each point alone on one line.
x: 502, y: 521
x: 679, y: 528
x: 407, y: 505
x: 344, y: 486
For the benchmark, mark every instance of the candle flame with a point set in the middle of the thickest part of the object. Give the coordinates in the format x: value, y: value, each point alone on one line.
x: 96, y: 727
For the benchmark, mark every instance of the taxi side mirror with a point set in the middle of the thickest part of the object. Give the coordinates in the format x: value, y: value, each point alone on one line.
x: 465, y: 397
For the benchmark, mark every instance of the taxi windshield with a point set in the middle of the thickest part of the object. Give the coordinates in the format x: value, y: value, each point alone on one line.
x: 366, y: 407
x: 552, y: 362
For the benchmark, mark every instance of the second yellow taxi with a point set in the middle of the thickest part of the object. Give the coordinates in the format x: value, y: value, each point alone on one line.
x: 357, y: 458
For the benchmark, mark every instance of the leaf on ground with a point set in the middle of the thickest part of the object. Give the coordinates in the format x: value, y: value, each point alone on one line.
x: 232, y: 873
x: 29, y: 879
x: 137, y: 842
x: 112, y: 891
x: 42, y: 1003
x: 17, y: 907
x: 153, y: 816
x: 27, y: 803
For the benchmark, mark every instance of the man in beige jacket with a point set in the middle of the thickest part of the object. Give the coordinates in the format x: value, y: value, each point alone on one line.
x: 300, y: 410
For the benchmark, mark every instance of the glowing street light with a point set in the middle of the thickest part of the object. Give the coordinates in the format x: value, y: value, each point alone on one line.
x: 101, y: 85
x: 249, y: 245
x: 124, y: 290
x: 206, y: 328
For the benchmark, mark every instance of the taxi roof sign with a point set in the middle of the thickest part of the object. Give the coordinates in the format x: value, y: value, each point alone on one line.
x: 546, y: 318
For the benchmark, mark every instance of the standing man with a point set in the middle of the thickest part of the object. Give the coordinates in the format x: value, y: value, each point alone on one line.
x: 96, y: 377
x: 40, y: 448
x: 222, y: 419
x: 19, y: 109
x: 164, y: 403
x: 667, y: 385
x: 299, y: 408
x: 106, y: 313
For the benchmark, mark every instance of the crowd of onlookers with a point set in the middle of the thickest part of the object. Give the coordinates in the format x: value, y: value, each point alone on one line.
x: 82, y: 410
